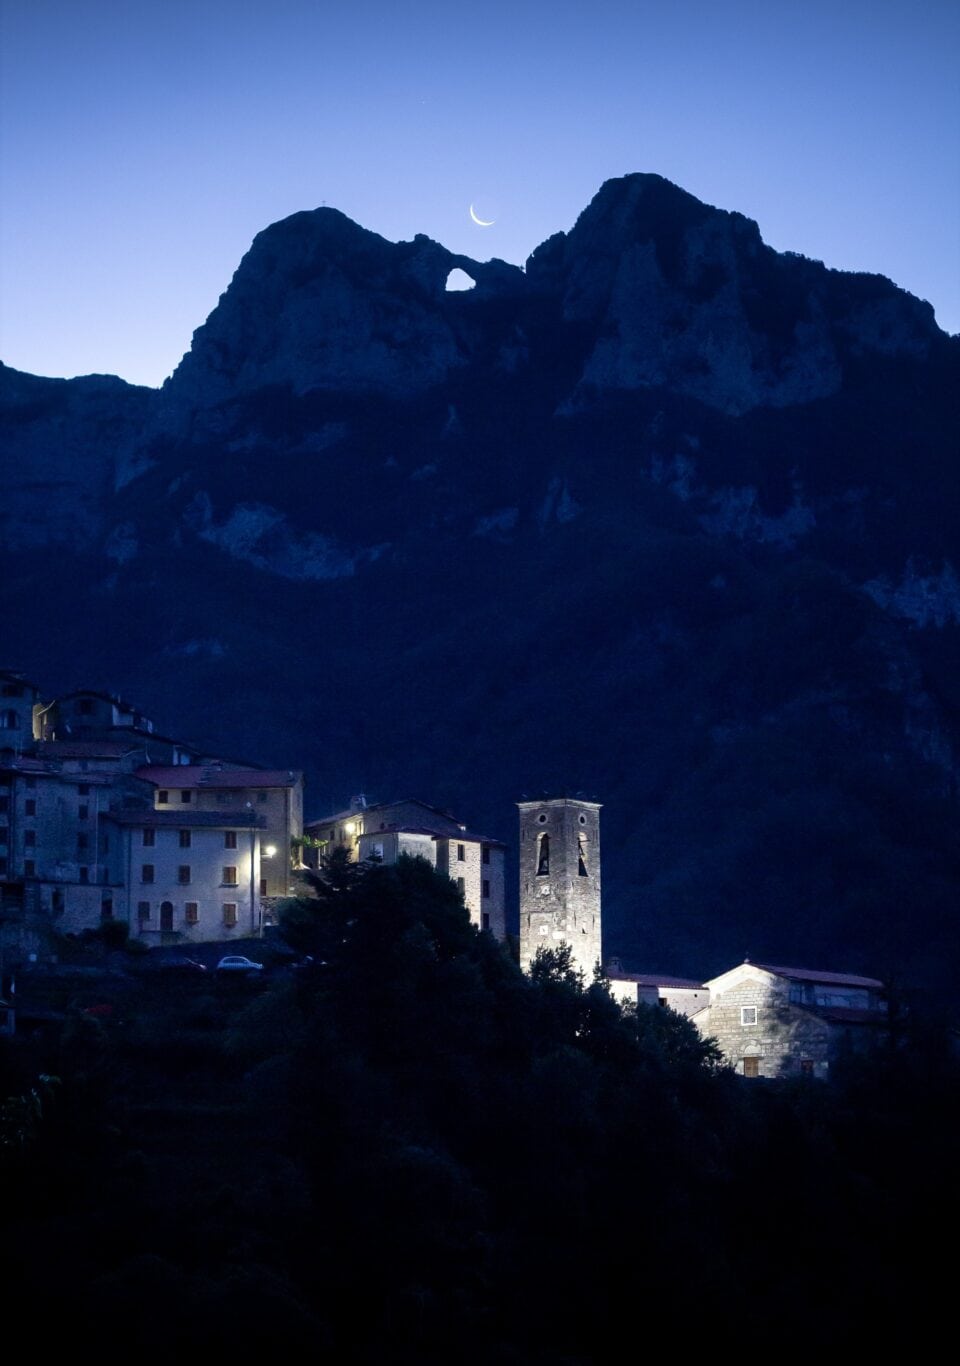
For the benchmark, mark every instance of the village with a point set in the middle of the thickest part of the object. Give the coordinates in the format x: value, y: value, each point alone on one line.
x: 103, y: 820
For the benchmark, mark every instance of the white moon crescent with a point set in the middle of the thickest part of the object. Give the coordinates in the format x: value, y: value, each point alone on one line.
x: 481, y: 222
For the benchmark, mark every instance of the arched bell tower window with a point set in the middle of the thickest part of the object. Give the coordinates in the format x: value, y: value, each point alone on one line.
x: 581, y: 858
x: 543, y: 856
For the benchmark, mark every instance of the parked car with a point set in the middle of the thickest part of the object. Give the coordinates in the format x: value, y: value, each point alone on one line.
x: 187, y: 967
x: 236, y: 963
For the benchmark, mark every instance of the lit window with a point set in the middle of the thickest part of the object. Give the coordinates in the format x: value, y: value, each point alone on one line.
x: 748, y: 1015
x: 184, y: 839
x: 230, y: 914
x: 229, y: 877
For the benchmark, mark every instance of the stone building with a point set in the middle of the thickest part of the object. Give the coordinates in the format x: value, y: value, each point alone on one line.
x: 385, y: 830
x: 189, y: 876
x: 685, y: 995
x: 275, y: 795
x: 18, y: 698
x: 781, y: 1022
x: 560, y: 880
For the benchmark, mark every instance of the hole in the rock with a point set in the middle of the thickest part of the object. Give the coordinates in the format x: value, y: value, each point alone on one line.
x: 459, y: 279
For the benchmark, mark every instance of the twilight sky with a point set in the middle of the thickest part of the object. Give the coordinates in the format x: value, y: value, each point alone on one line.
x: 143, y: 143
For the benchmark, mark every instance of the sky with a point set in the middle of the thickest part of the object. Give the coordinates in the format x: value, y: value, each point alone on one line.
x: 144, y: 143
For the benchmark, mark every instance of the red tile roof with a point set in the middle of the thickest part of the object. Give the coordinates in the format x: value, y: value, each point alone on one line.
x: 85, y: 749
x: 212, y: 776
x: 652, y: 979
x: 840, y: 979
x: 189, y: 819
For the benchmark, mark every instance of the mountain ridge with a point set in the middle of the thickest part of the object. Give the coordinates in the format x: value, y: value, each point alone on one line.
x: 667, y: 516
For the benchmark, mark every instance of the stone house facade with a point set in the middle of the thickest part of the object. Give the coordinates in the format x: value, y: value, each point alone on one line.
x: 275, y: 795
x: 685, y: 995
x: 385, y: 830
x: 782, y: 1022
x: 189, y: 876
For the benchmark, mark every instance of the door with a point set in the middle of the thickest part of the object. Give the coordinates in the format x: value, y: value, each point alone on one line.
x: 166, y: 915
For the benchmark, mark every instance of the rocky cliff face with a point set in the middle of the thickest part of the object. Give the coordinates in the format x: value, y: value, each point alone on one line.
x: 667, y: 517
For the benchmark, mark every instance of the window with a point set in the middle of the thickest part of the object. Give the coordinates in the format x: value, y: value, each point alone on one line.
x: 163, y: 798
x: 230, y: 839
x: 543, y: 856
x: 104, y: 844
x: 30, y: 838
x: 83, y: 813
x: 748, y: 1015
x: 186, y: 795
x: 83, y: 790
x: 262, y: 796
x: 183, y: 874
x: 106, y: 908
x: 4, y: 804
x: 581, y: 858
x: 30, y: 869
x: 461, y: 886
x: 9, y: 720
x: 83, y: 840
x: 461, y: 853
x: 230, y: 914
x: 30, y: 806
x: 806, y: 1067
x: 146, y: 872
x: 751, y: 1067
x: 229, y: 877
x: 486, y: 920
x: 486, y: 887
x: 149, y: 838
x: 30, y: 783
x: 378, y: 852
x: 12, y: 690
x: 191, y: 913
x: 485, y: 854
x: 3, y: 867
x: 184, y: 839
x: 143, y: 911
x: 263, y: 886
x: 85, y: 707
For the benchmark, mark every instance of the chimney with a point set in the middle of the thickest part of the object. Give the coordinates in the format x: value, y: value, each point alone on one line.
x: 358, y: 803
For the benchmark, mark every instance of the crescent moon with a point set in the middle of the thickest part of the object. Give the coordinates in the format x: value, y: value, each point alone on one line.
x: 481, y: 222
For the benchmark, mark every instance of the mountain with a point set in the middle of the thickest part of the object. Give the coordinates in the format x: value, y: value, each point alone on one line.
x: 667, y: 518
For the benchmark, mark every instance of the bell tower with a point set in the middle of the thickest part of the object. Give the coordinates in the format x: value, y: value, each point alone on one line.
x: 560, y: 880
